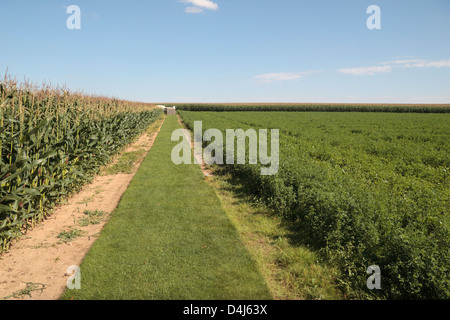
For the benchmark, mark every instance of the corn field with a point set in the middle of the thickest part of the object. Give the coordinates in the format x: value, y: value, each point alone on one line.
x: 52, y: 142
x: 317, y: 107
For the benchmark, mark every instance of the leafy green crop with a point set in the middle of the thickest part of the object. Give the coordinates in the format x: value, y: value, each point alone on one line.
x: 367, y: 189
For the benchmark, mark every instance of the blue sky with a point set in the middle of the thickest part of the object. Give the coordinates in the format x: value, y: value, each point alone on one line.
x: 233, y: 50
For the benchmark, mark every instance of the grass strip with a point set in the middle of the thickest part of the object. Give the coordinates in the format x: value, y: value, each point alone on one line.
x: 169, y: 239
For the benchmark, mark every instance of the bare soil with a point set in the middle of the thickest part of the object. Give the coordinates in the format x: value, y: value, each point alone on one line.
x: 40, y: 259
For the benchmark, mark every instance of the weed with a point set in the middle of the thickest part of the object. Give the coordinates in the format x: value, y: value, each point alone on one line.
x: 125, y: 163
x: 68, y: 236
x: 91, y: 217
x: 30, y: 287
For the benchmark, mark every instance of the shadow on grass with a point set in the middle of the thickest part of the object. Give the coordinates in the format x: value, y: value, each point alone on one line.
x: 237, y: 186
x: 297, y: 269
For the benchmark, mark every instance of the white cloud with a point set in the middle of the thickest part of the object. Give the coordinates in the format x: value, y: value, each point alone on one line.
x: 388, y: 66
x: 428, y: 64
x: 419, y: 63
x: 404, y: 61
x: 199, y: 5
x: 366, y: 71
x: 281, y: 76
x: 382, y: 68
x: 276, y: 77
x: 193, y: 10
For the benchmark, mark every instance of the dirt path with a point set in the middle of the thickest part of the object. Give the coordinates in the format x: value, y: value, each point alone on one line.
x: 41, y: 259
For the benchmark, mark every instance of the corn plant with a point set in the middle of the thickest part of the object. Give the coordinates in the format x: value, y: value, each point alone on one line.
x: 52, y: 141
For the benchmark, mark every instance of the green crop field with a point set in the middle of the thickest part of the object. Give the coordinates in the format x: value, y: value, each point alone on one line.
x: 364, y: 185
x: 367, y: 189
x: 51, y: 143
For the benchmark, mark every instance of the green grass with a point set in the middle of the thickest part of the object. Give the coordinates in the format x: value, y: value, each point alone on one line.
x: 169, y: 239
